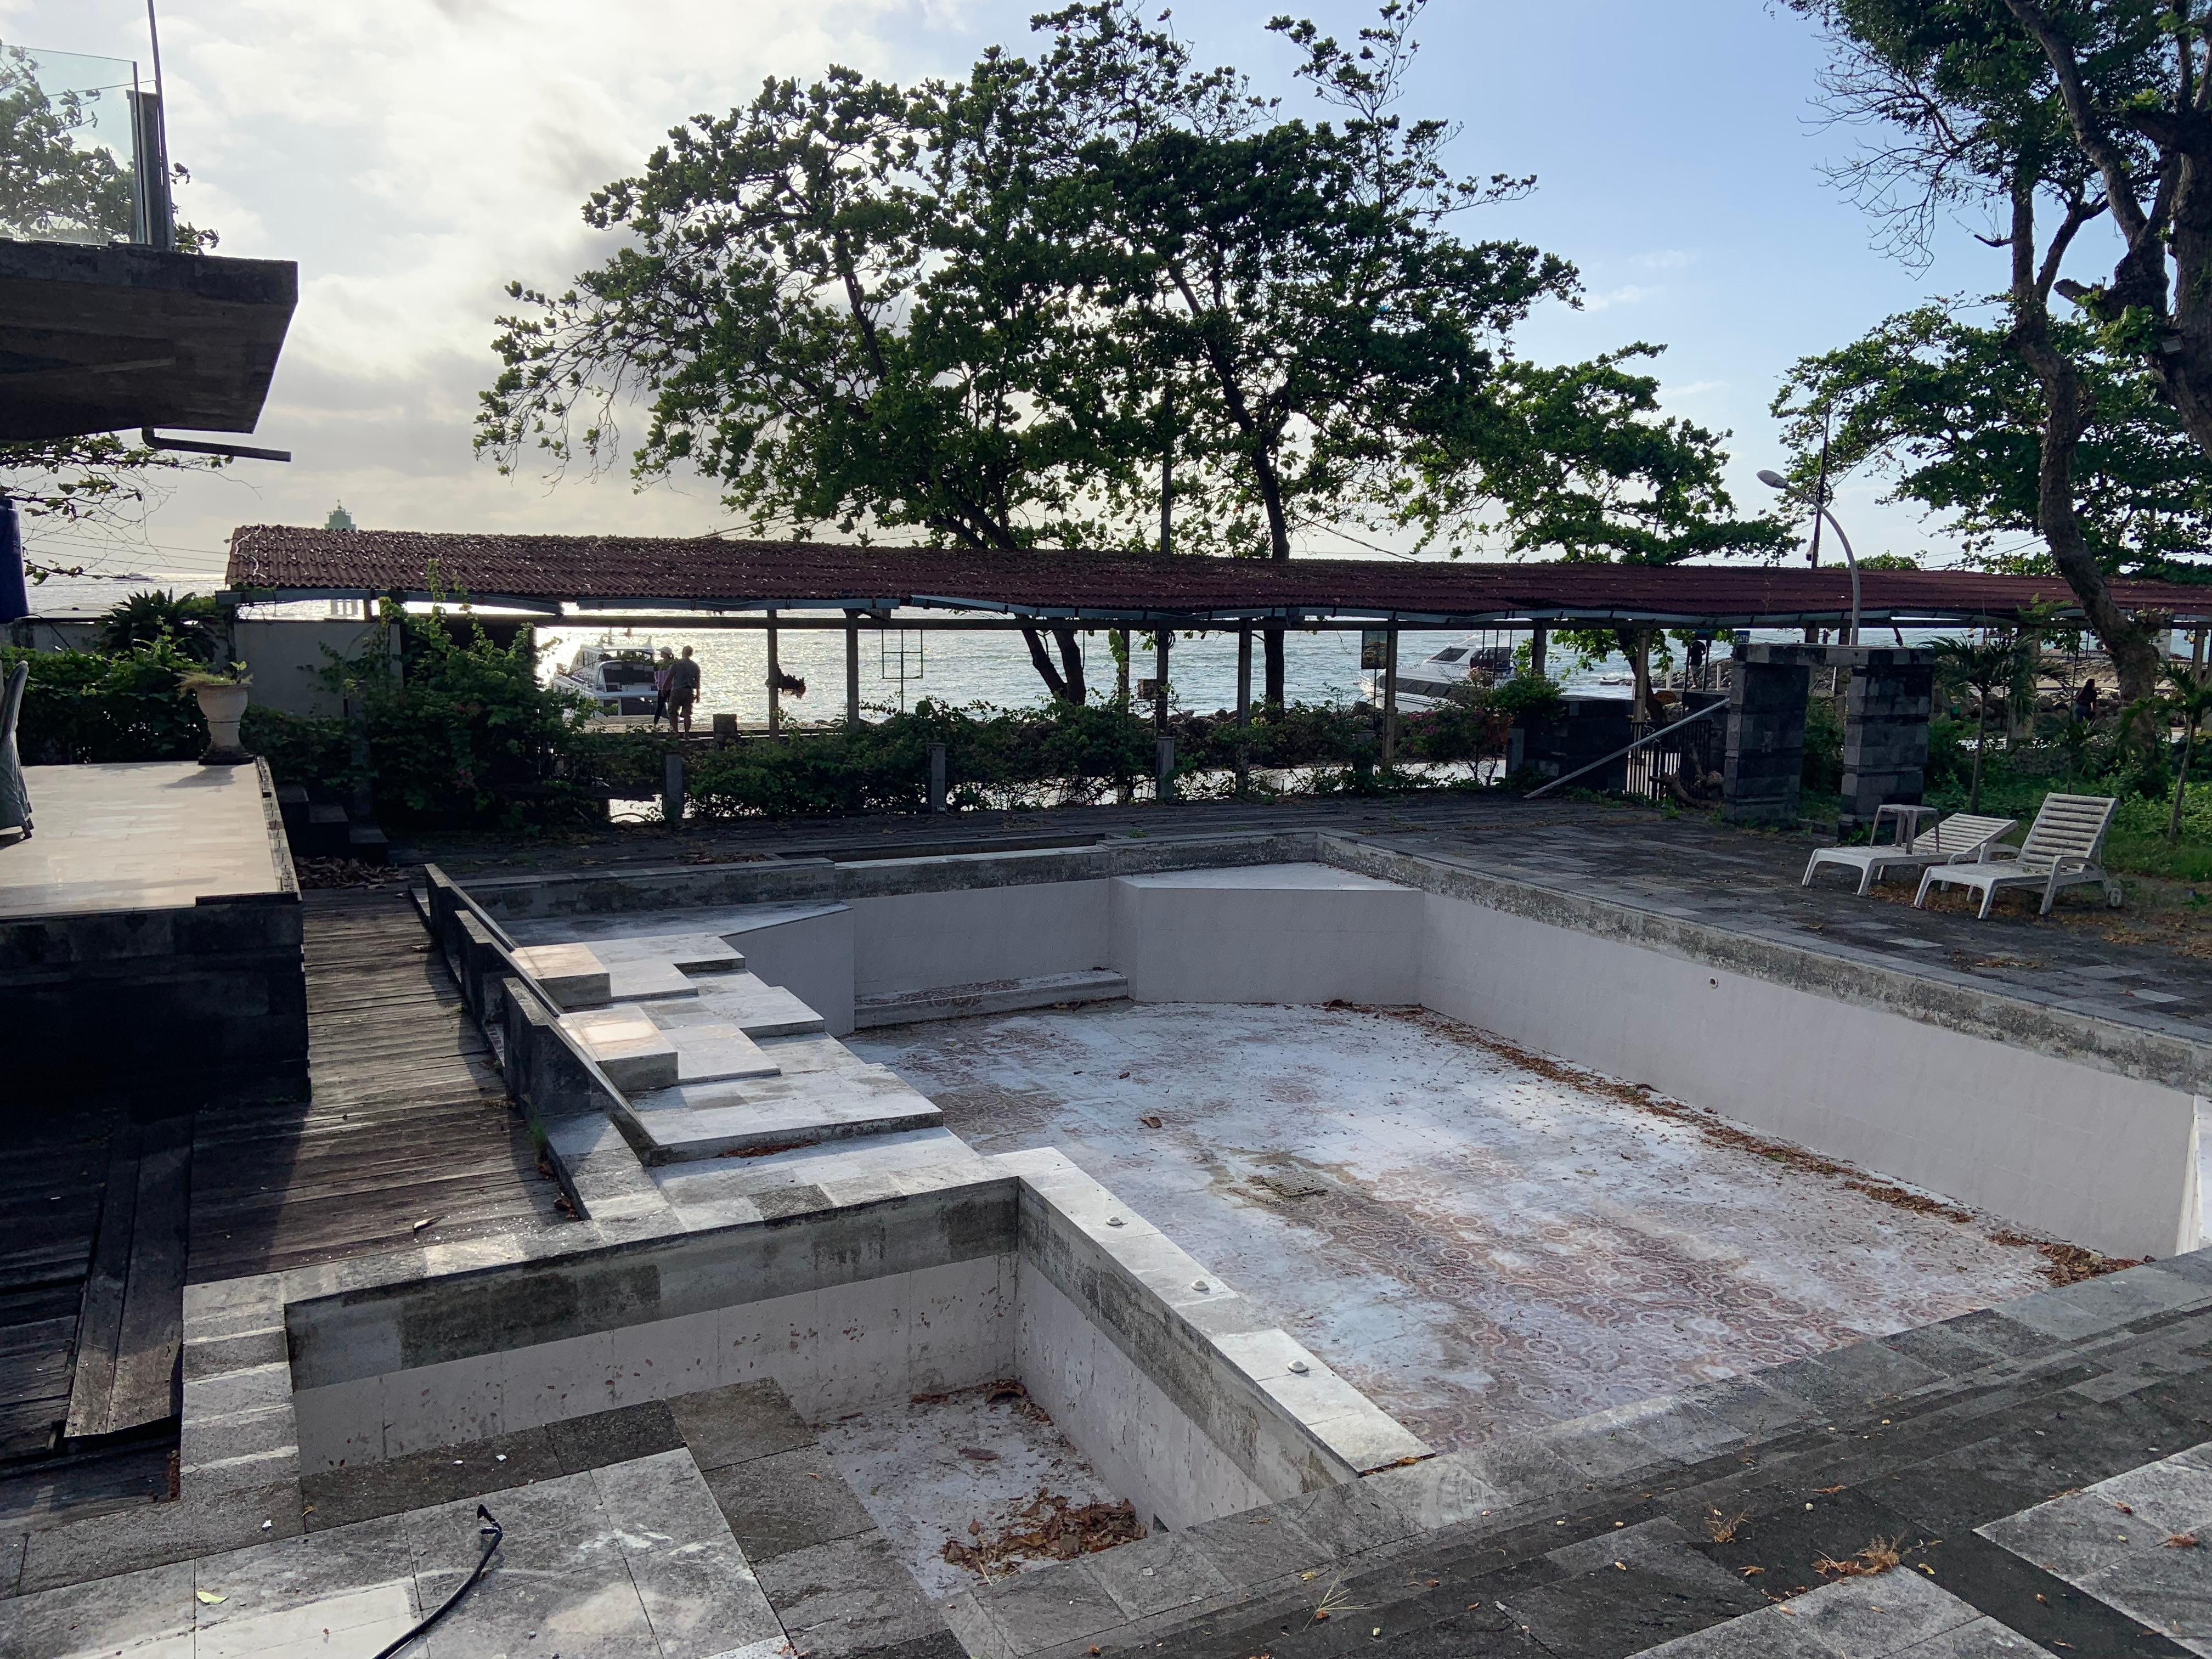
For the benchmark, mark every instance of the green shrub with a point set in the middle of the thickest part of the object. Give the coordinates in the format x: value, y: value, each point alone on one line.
x: 1823, y: 772
x: 311, y: 749
x: 469, y: 739
x: 81, y: 706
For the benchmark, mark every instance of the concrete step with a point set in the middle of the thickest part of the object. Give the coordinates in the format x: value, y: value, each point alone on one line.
x: 646, y: 981
x: 717, y: 1053
x: 713, y: 1120
x: 998, y: 996
x: 694, y: 953
x: 636, y: 1054
x: 570, y: 973
x: 749, y: 1003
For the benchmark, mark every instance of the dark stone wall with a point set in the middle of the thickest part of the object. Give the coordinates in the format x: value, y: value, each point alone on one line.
x: 1586, y: 729
x: 159, y: 1009
x: 1764, y: 763
x: 1886, y: 731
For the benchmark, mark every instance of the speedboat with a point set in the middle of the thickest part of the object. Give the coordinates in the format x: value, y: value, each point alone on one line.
x: 617, y: 678
x: 1469, y: 661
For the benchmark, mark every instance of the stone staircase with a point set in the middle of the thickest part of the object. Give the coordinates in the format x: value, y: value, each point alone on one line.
x: 1705, y: 1519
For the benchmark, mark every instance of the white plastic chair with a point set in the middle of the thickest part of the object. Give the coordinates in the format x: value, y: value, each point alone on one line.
x: 1959, y: 838
x: 2061, y: 851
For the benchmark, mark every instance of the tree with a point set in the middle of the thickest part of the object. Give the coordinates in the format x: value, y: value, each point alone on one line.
x: 1294, y: 288
x: 1974, y: 119
x: 1987, y: 667
x: 2190, y: 695
x: 50, y: 189
x: 2134, y: 79
x: 992, y: 310
x: 99, y: 482
x: 1935, y: 400
x: 1579, y: 460
x: 821, y: 312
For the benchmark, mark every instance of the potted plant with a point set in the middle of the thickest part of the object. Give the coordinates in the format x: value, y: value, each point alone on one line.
x: 222, y: 698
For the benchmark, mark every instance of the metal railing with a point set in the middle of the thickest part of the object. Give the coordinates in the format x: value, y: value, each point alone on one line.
x: 1668, y: 758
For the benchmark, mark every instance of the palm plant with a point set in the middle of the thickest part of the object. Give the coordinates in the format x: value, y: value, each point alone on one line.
x: 2190, y: 695
x: 1986, y: 667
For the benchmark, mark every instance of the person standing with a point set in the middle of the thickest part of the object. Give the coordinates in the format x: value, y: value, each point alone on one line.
x: 663, y: 672
x: 683, y: 691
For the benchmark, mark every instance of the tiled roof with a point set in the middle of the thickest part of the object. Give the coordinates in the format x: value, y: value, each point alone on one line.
x: 639, y: 571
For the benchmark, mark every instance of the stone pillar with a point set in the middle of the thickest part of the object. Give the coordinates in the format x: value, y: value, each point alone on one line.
x: 1766, y: 760
x: 1885, y: 712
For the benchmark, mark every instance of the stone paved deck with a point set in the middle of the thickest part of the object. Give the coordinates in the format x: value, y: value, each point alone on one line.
x: 1704, y: 1520
x: 2083, y: 956
x: 139, y: 836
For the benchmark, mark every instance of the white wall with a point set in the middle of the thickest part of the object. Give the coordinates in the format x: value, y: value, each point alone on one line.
x: 811, y: 956
x: 1277, y: 932
x: 2069, y: 1150
x: 287, y: 661
x: 1118, y: 1417
x: 920, y: 941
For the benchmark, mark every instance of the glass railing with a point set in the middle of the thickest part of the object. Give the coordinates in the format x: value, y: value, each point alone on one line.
x: 79, y: 150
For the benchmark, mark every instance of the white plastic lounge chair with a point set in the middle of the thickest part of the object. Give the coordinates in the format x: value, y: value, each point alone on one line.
x: 2061, y: 851
x: 1958, y: 839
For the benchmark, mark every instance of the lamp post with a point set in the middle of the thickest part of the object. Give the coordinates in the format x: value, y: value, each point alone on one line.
x: 1774, y: 480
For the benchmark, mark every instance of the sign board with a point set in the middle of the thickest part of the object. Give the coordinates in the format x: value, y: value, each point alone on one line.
x: 1375, y: 648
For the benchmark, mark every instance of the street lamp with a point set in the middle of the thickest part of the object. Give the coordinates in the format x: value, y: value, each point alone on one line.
x: 1774, y: 480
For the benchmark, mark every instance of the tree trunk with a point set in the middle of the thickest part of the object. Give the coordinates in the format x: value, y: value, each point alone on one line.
x: 1064, y: 688
x: 2135, y: 660
x: 2181, y: 783
x: 1981, y: 743
x: 1636, y: 646
x: 1071, y: 662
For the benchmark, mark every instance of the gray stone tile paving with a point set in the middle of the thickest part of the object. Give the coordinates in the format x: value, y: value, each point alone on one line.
x: 2120, y: 1540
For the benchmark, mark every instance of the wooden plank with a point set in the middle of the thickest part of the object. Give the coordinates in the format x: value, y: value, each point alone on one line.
x: 406, y: 1117
x: 152, y: 1339
x: 100, y: 1317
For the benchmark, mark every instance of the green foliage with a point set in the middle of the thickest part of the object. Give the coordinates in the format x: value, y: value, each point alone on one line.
x: 50, y: 188
x: 1525, y: 694
x: 309, y: 750
x: 468, y: 737
x: 152, y: 614
x: 1823, y: 773
x: 95, y: 706
x: 1935, y: 401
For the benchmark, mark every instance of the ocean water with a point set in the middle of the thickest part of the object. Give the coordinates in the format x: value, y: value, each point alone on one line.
x: 900, y: 668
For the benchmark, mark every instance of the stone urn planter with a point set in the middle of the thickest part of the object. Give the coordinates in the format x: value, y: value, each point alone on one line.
x: 223, y: 702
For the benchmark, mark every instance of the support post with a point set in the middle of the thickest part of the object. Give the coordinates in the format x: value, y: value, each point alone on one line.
x: 1160, y: 640
x: 1243, y: 709
x: 672, y: 790
x: 774, y: 691
x: 1539, y: 639
x: 1164, y: 769
x: 852, y: 672
x: 1390, y: 699
x: 936, y: 777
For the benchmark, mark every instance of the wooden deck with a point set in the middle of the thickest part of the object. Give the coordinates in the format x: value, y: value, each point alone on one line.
x: 408, y: 1123
x: 50, y: 1190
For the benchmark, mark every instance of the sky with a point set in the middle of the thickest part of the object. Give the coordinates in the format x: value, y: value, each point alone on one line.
x: 414, y: 156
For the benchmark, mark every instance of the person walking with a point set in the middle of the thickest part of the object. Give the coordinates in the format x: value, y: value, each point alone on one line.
x: 683, y: 691
x: 663, y: 672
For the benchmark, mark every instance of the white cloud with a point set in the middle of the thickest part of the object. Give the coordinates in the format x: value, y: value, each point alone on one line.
x: 1671, y: 259
x: 412, y: 156
x: 1628, y: 293
x: 1695, y: 388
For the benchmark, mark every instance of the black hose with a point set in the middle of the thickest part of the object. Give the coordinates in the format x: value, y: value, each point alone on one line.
x: 491, y: 1534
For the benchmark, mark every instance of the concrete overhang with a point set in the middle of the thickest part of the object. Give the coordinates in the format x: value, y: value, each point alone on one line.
x: 115, y: 336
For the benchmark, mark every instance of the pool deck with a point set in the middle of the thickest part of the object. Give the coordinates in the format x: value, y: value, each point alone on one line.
x: 2113, y: 965
x: 141, y: 835
x: 1995, y: 1448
